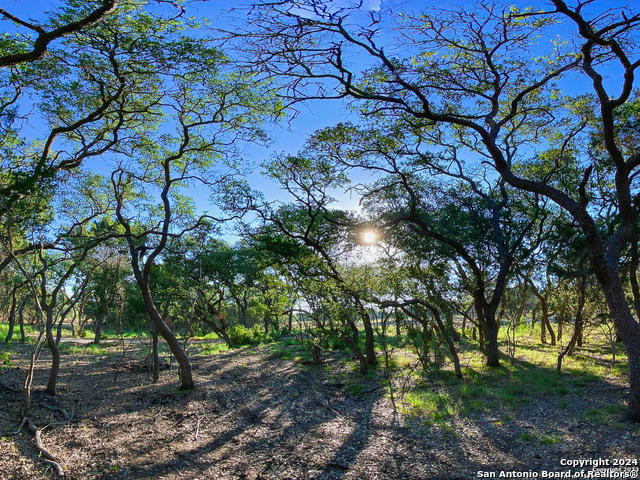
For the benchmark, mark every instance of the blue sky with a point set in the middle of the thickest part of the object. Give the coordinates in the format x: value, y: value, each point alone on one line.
x: 313, y: 115
x: 289, y: 136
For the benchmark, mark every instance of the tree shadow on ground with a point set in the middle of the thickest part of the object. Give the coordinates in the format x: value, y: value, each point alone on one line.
x: 253, y: 416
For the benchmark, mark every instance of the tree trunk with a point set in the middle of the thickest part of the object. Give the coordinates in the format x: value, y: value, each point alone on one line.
x: 445, y: 334
x: 155, y: 360
x: 488, y: 330
x: 72, y: 324
x: 560, y: 324
x: 12, y: 317
x: 398, y: 320
x: 580, y: 341
x: 81, y: 322
x: 633, y: 277
x: 491, y: 350
x: 577, y: 334
x: 369, y: 339
x: 352, y: 342
x: 630, y: 332
x: 578, y: 326
x: 21, y: 319
x: 55, y: 355
x: 59, y: 330
x: 533, y: 318
x: 353, y: 346
x: 450, y: 327
x: 186, y: 377
x: 98, y: 328
x: 317, y: 358
x: 545, y: 324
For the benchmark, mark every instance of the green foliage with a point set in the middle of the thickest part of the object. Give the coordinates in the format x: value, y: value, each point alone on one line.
x: 335, y: 341
x: 426, y: 345
x: 208, y: 336
x: 527, y: 437
x: 241, y: 335
x: 5, y: 360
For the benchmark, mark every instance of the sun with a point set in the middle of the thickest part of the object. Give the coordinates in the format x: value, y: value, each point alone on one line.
x: 369, y: 237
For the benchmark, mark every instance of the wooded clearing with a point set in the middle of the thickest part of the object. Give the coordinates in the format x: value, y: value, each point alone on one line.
x: 267, y: 412
x: 309, y: 239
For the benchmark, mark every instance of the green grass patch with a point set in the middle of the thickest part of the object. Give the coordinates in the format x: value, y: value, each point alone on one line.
x: 67, y: 348
x: 288, y: 351
x: 356, y: 384
x: 401, y: 360
x: 494, y: 391
x: 527, y: 437
x: 550, y: 439
x: 28, y: 330
x: 289, y: 341
x: 174, y: 390
x: 212, y: 348
x: 114, y: 335
x: 606, y: 414
x: 434, y: 407
x: 207, y: 336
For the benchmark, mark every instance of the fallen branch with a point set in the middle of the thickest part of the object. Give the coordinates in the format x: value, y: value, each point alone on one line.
x: 66, y: 462
x: 49, y: 458
x: 330, y: 408
x: 195, y: 435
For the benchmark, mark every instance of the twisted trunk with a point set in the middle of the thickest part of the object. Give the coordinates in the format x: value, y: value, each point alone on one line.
x: 568, y: 350
x: 488, y: 329
x: 369, y: 339
x: 12, y: 317
x: 98, y: 328
x: 186, y: 377
x: 55, y: 354
x: 445, y: 334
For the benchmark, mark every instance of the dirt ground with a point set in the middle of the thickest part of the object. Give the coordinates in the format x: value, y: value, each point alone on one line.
x: 256, y: 416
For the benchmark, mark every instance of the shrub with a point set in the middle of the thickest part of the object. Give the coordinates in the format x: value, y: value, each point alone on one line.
x: 336, y: 342
x: 241, y: 335
x: 5, y: 361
